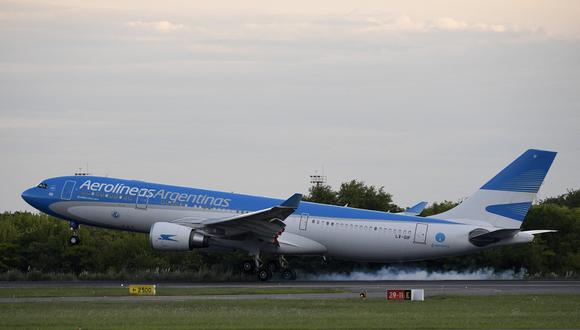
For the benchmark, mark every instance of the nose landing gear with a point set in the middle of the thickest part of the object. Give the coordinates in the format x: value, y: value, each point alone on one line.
x: 75, y: 238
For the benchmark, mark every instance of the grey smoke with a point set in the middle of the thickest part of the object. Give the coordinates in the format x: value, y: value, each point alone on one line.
x: 402, y: 274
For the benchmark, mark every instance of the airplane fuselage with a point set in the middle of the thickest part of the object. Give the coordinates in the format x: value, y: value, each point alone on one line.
x: 312, y: 229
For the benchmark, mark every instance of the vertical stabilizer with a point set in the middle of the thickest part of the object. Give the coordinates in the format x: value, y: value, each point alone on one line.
x: 505, y: 199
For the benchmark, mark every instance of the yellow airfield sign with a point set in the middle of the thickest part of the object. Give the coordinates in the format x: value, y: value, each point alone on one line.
x: 142, y: 290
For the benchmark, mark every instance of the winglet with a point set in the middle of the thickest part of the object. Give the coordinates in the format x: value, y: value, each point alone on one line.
x: 292, y: 202
x: 416, y: 209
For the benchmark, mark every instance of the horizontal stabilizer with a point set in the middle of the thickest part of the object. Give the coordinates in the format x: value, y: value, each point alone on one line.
x: 482, y: 237
x: 537, y: 232
x: 500, y: 233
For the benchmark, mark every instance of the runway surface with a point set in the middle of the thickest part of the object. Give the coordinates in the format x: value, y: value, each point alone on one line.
x: 374, y: 289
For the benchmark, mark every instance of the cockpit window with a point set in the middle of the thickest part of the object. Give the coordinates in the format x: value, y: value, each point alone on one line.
x: 42, y: 185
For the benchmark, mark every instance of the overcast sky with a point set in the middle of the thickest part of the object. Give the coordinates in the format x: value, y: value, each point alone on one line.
x: 429, y: 99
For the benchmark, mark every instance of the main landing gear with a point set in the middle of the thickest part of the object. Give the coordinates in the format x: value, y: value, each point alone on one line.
x: 265, y: 271
x: 75, y: 238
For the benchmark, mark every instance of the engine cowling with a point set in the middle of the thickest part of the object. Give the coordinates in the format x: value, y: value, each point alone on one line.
x: 167, y: 236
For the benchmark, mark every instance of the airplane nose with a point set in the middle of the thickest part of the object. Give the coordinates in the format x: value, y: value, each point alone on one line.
x: 28, y: 196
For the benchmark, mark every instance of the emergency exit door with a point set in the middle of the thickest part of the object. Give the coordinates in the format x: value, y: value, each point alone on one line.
x: 303, y: 221
x: 421, y: 233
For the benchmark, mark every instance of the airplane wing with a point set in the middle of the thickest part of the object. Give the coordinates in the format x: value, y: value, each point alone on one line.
x: 266, y: 225
x: 416, y: 209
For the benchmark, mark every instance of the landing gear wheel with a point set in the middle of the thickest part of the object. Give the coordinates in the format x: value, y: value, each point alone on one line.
x: 288, y: 274
x: 74, y: 240
x: 264, y: 274
x: 247, y: 266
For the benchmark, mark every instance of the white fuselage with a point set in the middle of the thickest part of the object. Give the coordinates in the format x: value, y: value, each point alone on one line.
x: 352, y: 239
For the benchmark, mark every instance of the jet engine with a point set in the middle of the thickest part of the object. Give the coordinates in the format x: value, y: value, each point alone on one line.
x: 167, y: 236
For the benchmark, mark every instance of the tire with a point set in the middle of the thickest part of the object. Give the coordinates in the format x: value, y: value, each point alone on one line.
x: 74, y: 240
x: 288, y: 274
x: 264, y: 274
x: 247, y: 266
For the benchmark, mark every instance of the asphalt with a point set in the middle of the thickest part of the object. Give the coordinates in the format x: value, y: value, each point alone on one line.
x: 352, y: 289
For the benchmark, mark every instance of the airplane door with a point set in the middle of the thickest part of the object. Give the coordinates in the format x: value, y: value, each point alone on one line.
x: 421, y: 233
x: 303, y: 221
x: 141, y: 202
x: 67, y: 190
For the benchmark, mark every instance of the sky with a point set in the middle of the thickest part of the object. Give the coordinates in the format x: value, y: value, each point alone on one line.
x: 429, y: 99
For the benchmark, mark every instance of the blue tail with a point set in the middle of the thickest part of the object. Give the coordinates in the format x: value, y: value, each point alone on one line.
x: 525, y: 174
x: 505, y: 199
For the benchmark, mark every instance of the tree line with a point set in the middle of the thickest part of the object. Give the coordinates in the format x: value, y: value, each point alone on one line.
x: 36, y: 245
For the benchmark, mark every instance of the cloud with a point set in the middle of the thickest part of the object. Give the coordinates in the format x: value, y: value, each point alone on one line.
x: 451, y: 24
x: 160, y: 26
x: 407, y: 24
x: 399, y: 24
x: 448, y: 23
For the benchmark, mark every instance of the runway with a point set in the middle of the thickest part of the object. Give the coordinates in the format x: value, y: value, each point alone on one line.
x: 374, y: 289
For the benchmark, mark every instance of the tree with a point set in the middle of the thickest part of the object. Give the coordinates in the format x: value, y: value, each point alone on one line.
x: 570, y: 199
x: 357, y: 194
x: 321, y: 194
x: 437, y: 208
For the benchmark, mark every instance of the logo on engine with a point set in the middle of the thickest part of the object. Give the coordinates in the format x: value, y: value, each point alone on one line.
x: 167, y: 237
x: 440, y: 237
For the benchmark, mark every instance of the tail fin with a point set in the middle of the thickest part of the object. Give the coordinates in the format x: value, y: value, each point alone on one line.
x: 505, y: 199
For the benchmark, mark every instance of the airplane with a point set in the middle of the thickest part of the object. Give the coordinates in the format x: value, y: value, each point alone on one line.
x: 183, y: 219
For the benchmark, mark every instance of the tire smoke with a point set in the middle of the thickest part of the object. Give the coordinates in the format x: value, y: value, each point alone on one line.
x: 406, y: 274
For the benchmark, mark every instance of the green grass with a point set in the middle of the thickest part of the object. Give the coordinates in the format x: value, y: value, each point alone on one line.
x: 454, y: 312
x: 161, y: 291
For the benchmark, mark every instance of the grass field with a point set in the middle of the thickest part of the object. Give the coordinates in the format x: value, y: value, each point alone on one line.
x: 454, y: 312
x: 161, y: 291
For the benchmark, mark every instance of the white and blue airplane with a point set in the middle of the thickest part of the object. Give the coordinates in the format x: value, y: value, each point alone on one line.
x: 183, y: 219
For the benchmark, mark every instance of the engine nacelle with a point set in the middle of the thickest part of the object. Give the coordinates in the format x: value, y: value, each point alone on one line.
x: 167, y: 236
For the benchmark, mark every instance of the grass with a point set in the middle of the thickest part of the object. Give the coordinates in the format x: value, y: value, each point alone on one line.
x: 161, y: 291
x: 442, y: 312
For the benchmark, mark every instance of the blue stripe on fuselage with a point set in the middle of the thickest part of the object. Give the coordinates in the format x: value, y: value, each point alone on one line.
x: 111, y: 190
